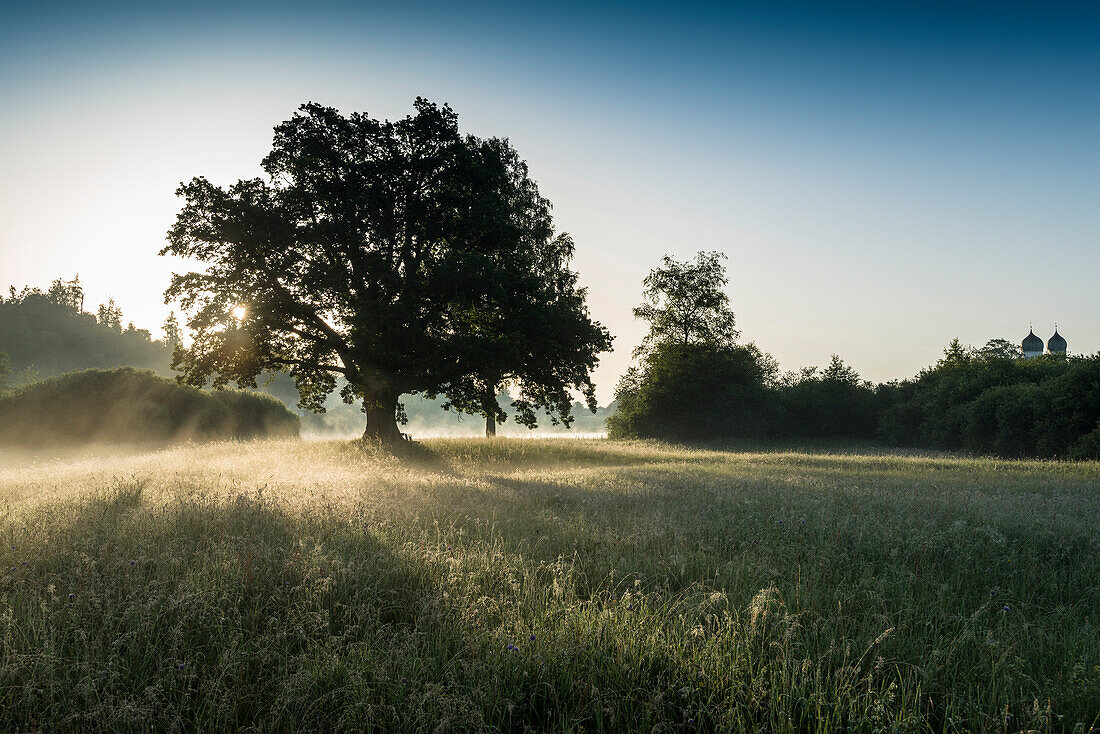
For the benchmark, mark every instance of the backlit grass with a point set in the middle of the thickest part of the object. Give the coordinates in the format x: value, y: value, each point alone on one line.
x: 562, y: 585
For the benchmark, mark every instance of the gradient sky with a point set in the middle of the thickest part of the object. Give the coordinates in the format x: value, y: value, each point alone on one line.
x: 882, y: 176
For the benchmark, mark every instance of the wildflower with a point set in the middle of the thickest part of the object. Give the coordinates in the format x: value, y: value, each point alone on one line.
x: 133, y: 563
x: 1004, y: 608
x: 181, y: 666
x: 532, y: 638
x: 993, y: 592
x: 404, y: 680
x: 71, y: 597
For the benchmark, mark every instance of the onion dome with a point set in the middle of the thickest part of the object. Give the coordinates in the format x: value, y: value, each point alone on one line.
x: 1032, y: 344
x: 1056, y: 344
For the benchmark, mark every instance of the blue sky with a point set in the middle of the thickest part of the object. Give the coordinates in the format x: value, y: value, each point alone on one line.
x: 882, y: 176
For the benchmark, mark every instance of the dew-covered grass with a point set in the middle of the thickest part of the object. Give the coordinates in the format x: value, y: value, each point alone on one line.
x: 550, y: 585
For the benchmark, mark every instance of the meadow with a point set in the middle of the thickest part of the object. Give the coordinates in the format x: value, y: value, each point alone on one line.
x: 585, y: 585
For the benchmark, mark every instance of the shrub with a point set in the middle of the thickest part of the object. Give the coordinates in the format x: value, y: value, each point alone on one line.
x: 986, y: 403
x: 692, y: 392
x: 829, y: 403
x: 135, y: 406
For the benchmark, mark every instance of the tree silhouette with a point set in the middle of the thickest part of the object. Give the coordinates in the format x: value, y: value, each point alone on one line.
x: 396, y: 254
x: 110, y: 315
x: 691, y: 379
x: 171, y: 328
x: 533, y: 336
x: 685, y: 304
x: 67, y: 293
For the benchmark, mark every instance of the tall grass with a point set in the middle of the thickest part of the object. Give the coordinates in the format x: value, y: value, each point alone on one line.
x: 550, y: 585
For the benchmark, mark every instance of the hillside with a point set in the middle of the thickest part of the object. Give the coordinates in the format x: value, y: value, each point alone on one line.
x: 51, y: 338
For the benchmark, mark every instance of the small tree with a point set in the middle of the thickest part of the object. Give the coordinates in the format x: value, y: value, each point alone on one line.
x: 685, y: 303
x: 692, y: 380
x: 1001, y: 349
x: 110, y: 315
x: 172, y: 333
x: 67, y: 293
x: 840, y: 373
x: 956, y: 355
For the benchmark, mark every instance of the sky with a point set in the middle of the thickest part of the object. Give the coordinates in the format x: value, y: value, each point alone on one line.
x: 883, y: 177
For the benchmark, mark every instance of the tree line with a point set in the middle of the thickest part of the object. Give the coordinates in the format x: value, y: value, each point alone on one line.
x: 692, y: 380
x: 45, y: 333
x: 382, y: 259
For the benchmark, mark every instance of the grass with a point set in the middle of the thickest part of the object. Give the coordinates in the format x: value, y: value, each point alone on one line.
x: 550, y: 585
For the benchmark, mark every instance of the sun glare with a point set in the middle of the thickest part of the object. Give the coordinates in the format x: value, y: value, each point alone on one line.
x: 239, y: 312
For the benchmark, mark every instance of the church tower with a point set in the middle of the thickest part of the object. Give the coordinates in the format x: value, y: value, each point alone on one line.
x: 1032, y: 345
x: 1056, y: 344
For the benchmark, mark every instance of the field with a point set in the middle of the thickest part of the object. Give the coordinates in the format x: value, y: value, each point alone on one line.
x: 583, y: 585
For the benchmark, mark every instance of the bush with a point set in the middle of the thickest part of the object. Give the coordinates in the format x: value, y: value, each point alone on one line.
x: 693, y: 392
x: 831, y: 403
x: 135, y: 406
x: 1047, y: 407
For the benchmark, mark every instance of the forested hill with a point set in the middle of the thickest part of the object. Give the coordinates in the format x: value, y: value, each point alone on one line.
x: 47, y: 334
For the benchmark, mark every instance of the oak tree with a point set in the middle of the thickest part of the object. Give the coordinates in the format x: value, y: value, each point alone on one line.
x: 401, y: 256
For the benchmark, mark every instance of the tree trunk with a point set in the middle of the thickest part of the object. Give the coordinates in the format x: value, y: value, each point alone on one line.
x: 381, y: 419
x: 490, y: 411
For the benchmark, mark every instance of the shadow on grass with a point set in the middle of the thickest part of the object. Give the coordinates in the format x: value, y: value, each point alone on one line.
x: 202, y: 615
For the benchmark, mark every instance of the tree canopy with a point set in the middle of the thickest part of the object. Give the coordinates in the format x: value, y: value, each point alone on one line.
x: 45, y: 333
x: 401, y: 255
x: 685, y: 303
x: 692, y: 380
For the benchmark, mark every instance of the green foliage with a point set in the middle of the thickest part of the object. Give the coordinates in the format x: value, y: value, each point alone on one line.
x: 399, y: 255
x: 548, y: 586
x: 48, y: 334
x: 134, y: 406
x: 685, y: 304
x: 692, y: 392
x: 173, y: 335
x: 829, y: 403
x: 693, y: 382
x: 110, y: 316
x: 533, y: 335
x: 989, y: 401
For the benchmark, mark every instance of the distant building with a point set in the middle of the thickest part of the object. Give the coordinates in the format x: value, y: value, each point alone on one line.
x: 1056, y: 344
x: 1033, y: 345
